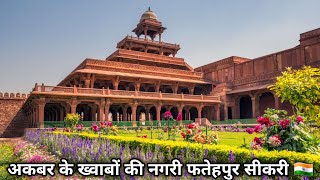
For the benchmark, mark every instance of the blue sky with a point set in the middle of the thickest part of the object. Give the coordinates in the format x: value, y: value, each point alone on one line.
x: 43, y: 41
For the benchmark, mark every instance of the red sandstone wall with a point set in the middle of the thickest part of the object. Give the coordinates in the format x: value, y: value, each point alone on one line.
x: 12, y: 118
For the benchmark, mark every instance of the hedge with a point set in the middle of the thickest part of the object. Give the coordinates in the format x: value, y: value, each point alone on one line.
x: 221, y: 152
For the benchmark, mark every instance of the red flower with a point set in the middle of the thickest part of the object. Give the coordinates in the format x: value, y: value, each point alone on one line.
x: 109, y: 123
x: 284, y: 123
x: 102, y: 125
x: 249, y: 130
x: 257, y: 129
x: 299, y: 119
x: 183, y: 135
x: 264, y: 121
x: 165, y: 129
x: 189, y: 131
x: 258, y: 141
x: 145, y: 136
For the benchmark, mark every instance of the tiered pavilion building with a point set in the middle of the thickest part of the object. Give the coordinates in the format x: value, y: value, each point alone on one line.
x: 143, y: 78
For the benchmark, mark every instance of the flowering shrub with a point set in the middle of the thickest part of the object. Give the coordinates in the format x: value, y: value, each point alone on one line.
x: 72, y: 120
x: 104, y: 127
x: 30, y: 153
x: 167, y: 115
x: 80, y: 127
x: 282, y: 132
x: 236, y: 127
x: 193, y: 133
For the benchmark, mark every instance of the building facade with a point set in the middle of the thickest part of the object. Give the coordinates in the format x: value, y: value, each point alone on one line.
x: 143, y: 78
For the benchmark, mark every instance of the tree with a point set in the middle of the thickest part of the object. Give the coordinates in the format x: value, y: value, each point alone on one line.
x: 301, y: 88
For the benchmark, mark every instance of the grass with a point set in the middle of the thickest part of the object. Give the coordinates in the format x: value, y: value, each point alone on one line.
x: 225, y: 138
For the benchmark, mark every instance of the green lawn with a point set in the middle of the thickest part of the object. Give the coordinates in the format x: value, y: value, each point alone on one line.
x: 225, y: 138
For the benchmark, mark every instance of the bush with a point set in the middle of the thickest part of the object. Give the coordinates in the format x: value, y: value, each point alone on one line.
x: 72, y: 120
x: 191, y: 152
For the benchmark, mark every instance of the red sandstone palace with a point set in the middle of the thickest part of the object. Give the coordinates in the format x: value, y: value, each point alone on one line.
x: 143, y: 78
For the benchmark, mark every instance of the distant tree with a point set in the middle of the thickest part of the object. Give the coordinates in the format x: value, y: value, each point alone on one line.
x: 301, y: 88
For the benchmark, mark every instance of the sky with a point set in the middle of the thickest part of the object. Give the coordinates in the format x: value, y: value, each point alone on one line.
x: 43, y: 41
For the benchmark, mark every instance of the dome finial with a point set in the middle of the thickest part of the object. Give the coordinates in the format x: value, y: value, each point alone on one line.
x: 149, y: 9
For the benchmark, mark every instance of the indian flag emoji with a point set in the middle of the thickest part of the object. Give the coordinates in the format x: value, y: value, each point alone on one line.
x: 303, y: 169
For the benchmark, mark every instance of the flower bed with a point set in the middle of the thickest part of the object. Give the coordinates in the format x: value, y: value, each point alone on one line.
x: 85, y: 147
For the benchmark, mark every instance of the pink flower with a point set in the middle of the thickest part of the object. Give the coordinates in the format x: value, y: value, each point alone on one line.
x: 299, y: 119
x: 79, y: 127
x: 274, y: 141
x: 249, y: 130
x: 264, y: 121
x: 257, y: 129
x: 109, y: 123
x: 284, y: 123
x: 167, y: 115
x: 179, y: 117
x: 35, y: 159
x: 94, y: 127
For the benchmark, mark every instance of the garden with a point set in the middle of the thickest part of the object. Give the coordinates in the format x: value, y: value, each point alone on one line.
x: 275, y: 135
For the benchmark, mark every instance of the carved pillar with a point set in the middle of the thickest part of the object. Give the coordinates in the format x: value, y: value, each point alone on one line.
x: 225, y: 111
x: 175, y: 88
x: 255, y: 105
x: 92, y: 81
x: 101, y: 109
x: 158, y: 108
x: 217, y: 112
x: 87, y: 83
x: 199, y: 108
x: 147, y: 113
x: 106, y: 110
x: 276, y: 101
x: 73, y: 105
x: 93, y: 112
x: 116, y: 82
x: 41, y: 105
x: 134, y: 106
x: 124, y: 110
x: 137, y: 85
x: 157, y: 87
x: 191, y: 89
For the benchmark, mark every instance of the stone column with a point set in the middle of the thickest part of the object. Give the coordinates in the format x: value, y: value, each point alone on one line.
x: 87, y: 83
x: 276, y: 101
x: 147, y: 113
x: 225, y: 111
x: 106, y: 110
x: 41, y: 105
x: 191, y: 90
x: 124, y: 110
x: 157, y: 87
x: 134, y: 106
x: 137, y: 86
x: 217, y: 112
x: 116, y: 83
x: 199, y: 108
x: 180, y: 109
x: 255, y: 105
x: 175, y: 88
x: 92, y: 81
x: 93, y: 112
x: 158, y: 108
x: 101, y: 109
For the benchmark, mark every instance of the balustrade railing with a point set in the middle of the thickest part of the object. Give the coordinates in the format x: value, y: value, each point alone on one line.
x: 111, y: 92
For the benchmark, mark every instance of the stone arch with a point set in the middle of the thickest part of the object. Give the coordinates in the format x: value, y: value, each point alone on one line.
x: 167, y: 89
x: 54, y: 112
x: 131, y: 87
x: 245, y: 107
x: 266, y: 100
